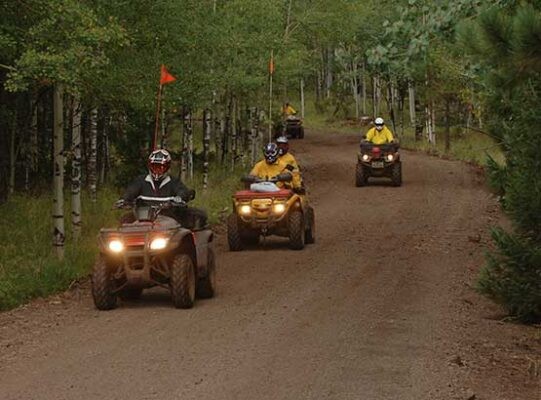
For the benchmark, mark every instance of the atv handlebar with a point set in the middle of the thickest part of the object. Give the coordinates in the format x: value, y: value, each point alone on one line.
x: 283, y: 177
x: 164, y: 202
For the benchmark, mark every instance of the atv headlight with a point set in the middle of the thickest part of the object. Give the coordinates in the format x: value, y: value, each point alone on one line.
x: 245, y: 209
x: 366, y: 157
x: 390, y: 157
x: 279, y: 208
x: 116, y: 246
x: 159, y: 243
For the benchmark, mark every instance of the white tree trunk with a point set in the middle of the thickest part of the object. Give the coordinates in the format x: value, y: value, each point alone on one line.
x: 76, y: 170
x: 187, y: 146
x: 231, y: 131
x: 254, y: 135
x: 207, y: 118
x: 411, y: 98
x: 355, y: 87
x: 302, y: 98
x: 58, y: 168
x: 430, y: 125
x: 376, y: 96
x: 364, y: 89
x: 92, y: 160
x: 328, y: 74
x: 433, y: 121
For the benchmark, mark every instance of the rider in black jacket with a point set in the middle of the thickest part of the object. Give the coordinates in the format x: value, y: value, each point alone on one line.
x: 158, y: 183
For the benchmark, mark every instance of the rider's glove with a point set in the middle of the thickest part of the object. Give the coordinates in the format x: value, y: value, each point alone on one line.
x: 120, y: 203
x: 178, y: 200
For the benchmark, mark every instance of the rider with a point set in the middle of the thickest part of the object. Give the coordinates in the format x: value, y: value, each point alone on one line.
x: 288, y: 110
x: 272, y: 166
x: 379, y: 134
x: 283, y: 151
x: 158, y: 183
x: 285, y: 156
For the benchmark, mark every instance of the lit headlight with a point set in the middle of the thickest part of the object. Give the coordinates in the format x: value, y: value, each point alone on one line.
x: 390, y: 157
x: 366, y: 157
x: 116, y: 246
x: 245, y: 209
x: 159, y: 243
x: 279, y: 208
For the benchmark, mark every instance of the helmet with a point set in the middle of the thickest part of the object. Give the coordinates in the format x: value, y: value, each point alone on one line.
x: 283, y: 145
x: 379, y: 123
x: 271, y: 153
x: 158, y: 163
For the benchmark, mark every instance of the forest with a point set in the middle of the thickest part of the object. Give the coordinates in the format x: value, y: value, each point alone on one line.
x: 78, y: 87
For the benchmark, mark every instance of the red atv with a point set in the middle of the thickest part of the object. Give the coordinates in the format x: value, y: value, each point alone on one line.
x: 280, y: 212
x: 378, y: 161
x: 151, y: 249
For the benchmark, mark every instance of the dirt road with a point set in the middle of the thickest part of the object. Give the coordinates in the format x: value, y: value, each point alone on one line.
x: 381, y: 307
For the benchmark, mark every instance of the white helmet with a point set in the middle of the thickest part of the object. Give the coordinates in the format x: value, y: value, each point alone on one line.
x: 379, y: 121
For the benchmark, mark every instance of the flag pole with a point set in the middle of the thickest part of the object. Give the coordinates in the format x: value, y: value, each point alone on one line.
x: 271, y: 72
x: 158, y: 105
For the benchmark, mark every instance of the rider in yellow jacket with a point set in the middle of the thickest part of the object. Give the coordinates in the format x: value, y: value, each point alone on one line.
x: 273, y: 166
x: 379, y: 134
x: 285, y: 156
x: 288, y: 110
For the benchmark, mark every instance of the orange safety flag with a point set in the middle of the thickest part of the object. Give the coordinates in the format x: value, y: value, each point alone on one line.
x: 166, y: 77
x: 271, y: 65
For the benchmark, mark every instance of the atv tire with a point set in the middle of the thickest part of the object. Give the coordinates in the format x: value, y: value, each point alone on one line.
x: 206, y: 287
x: 130, y: 293
x: 103, y: 286
x: 396, y: 174
x: 296, y: 230
x: 182, y: 281
x: 360, y: 175
x: 301, y: 132
x: 310, y: 235
x: 233, y: 233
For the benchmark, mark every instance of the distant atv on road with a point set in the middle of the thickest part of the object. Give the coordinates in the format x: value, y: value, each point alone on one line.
x: 378, y: 161
x: 293, y: 127
x: 279, y: 212
x: 153, y: 250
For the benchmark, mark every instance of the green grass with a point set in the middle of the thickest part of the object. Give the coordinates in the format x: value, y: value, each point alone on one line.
x: 470, y: 146
x: 28, y: 267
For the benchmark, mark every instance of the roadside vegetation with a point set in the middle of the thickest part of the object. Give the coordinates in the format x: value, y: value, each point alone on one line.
x: 79, y: 81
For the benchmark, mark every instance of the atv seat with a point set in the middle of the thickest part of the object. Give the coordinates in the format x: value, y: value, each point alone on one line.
x: 248, y: 194
x: 388, y: 147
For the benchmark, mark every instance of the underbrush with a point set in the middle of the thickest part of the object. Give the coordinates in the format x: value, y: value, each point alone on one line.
x: 28, y: 267
x: 470, y: 146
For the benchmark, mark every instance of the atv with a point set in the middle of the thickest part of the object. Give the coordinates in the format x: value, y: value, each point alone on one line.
x: 150, y: 249
x: 265, y: 210
x: 293, y: 127
x: 378, y: 161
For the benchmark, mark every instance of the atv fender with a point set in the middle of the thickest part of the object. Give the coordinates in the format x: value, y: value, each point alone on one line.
x: 184, y: 240
x: 203, y: 241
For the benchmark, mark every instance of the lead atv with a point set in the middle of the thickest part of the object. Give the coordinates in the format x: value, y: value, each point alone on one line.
x: 378, y: 161
x: 152, y: 249
x: 293, y: 127
x: 275, y: 211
